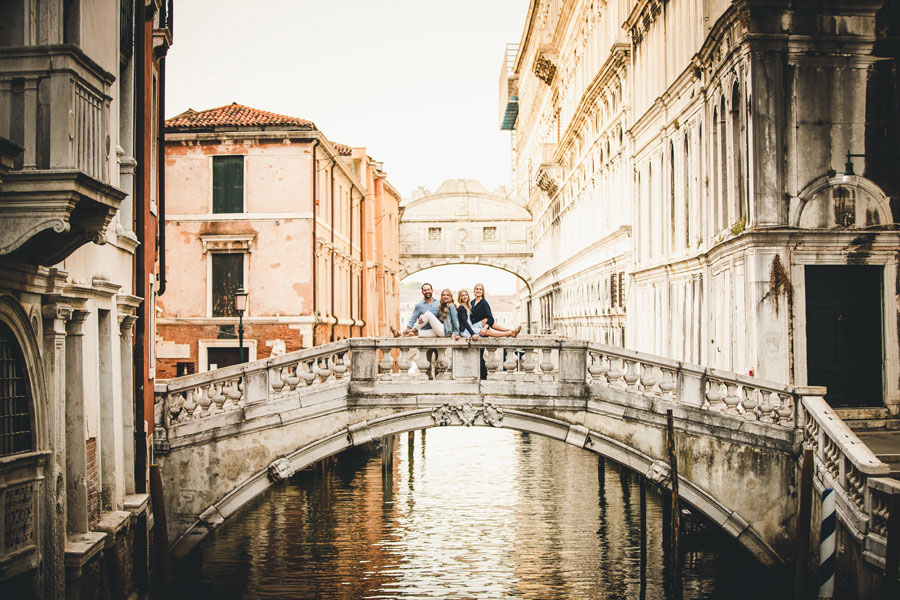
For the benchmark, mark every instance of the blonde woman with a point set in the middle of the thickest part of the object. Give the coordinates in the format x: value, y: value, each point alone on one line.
x: 482, y: 316
x: 445, y: 323
x: 462, y: 311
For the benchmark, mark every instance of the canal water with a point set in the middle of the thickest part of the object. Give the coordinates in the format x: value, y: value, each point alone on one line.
x: 468, y: 513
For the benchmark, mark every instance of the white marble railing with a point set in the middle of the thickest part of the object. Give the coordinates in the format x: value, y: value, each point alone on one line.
x: 205, y: 395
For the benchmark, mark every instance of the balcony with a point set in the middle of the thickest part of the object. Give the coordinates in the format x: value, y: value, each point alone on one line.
x: 509, y: 89
x: 57, y: 195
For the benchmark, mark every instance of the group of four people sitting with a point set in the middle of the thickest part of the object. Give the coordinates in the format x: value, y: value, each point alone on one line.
x: 467, y: 318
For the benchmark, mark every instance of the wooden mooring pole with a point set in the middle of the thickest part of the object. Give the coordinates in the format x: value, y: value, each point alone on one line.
x: 643, y: 513
x: 890, y: 587
x: 676, y: 504
x: 160, y: 532
x: 804, y: 514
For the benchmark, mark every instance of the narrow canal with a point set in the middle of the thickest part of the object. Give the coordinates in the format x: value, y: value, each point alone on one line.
x: 468, y: 513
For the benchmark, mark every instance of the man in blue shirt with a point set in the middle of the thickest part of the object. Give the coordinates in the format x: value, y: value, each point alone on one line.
x: 428, y: 303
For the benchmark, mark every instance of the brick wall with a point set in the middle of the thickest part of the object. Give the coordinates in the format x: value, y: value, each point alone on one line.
x: 92, y: 481
x: 166, y: 368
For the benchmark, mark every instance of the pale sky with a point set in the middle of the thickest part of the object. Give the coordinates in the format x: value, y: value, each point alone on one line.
x: 414, y: 81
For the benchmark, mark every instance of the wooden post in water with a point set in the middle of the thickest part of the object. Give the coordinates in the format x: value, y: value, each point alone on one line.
x: 160, y: 532
x: 890, y: 587
x: 804, y: 513
x: 643, y: 513
x: 387, y: 454
x: 676, y: 504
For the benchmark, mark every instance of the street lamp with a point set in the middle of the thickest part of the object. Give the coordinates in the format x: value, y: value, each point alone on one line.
x: 240, y: 305
x: 848, y: 167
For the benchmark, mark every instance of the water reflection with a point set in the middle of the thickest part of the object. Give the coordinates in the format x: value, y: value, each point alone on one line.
x: 477, y: 513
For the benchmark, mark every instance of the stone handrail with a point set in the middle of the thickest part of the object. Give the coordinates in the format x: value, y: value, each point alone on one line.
x: 232, y: 389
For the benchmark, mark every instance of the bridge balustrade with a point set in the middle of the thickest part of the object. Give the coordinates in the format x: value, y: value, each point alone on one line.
x: 237, y: 400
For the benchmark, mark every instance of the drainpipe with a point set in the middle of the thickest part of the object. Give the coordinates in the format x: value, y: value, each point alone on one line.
x: 140, y: 274
x: 362, y: 259
x: 333, y: 317
x: 315, y: 260
x: 161, y: 170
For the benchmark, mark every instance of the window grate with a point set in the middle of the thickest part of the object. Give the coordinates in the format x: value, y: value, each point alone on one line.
x: 15, y: 403
x: 434, y: 234
x: 489, y: 234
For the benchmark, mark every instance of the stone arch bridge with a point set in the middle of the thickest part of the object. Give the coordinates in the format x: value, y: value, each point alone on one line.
x: 224, y: 436
x: 464, y: 223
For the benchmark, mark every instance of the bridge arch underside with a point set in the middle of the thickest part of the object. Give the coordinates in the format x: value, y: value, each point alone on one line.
x: 519, y: 266
x: 753, y: 507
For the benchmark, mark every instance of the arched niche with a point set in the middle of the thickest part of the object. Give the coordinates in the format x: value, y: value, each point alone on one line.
x: 829, y: 203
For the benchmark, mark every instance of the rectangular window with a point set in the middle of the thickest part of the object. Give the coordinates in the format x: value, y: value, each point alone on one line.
x: 489, y: 234
x: 228, y: 184
x: 613, y: 290
x: 434, y: 234
x: 227, y: 278
x: 621, y: 288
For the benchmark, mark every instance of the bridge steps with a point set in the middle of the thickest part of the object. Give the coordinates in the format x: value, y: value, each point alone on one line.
x: 885, y: 445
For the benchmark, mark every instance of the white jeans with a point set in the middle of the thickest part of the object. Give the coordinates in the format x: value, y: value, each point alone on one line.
x: 437, y: 328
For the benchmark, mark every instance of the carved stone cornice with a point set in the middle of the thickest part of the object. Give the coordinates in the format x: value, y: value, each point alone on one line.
x: 45, y: 215
x: 227, y: 242
x: 546, y: 183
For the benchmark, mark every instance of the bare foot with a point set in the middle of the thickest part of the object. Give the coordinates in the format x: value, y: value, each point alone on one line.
x: 475, y: 338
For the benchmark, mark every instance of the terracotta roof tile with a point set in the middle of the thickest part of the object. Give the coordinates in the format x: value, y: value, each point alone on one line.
x: 342, y: 149
x: 234, y: 115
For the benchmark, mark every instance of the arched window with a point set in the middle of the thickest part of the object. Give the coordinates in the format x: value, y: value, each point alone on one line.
x: 16, y: 421
x: 672, y: 218
x: 736, y: 143
x: 686, y: 184
x: 723, y: 168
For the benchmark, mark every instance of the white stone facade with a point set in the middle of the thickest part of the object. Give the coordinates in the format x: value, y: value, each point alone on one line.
x: 684, y: 164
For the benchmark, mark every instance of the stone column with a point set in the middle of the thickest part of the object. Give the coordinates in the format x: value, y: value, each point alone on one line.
x: 126, y: 352
x: 54, y: 363
x: 363, y: 360
x: 76, y: 454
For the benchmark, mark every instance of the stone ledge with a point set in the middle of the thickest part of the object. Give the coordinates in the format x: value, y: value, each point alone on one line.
x: 136, y: 503
x: 82, y: 547
x: 111, y: 523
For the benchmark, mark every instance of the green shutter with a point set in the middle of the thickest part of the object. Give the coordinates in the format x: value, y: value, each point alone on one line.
x: 227, y: 278
x: 228, y: 184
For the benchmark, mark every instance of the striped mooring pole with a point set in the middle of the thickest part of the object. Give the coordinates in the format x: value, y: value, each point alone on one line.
x: 827, y: 544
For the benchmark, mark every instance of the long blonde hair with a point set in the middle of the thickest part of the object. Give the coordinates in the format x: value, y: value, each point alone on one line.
x: 483, y: 291
x: 467, y: 303
x: 442, y: 311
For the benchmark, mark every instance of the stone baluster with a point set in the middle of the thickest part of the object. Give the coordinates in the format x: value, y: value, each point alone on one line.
x: 767, y: 407
x: 732, y: 399
x: 323, y: 371
x: 529, y: 364
x: 785, y: 410
x: 715, y: 395
x: 386, y: 365
x: 232, y: 392
x: 547, y: 364
x: 292, y: 379
x: 276, y: 381
x: 423, y: 362
x: 510, y: 365
x: 617, y: 373
x: 175, y: 403
x: 404, y: 364
x: 855, y: 484
x: 750, y: 402
x: 667, y: 385
x: 338, y: 365
x: 218, y: 398
x: 205, y: 401
x: 190, y: 402
x: 442, y: 364
x: 491, y: 362
x: 631, y: 376
x: 306, y: 371
x: 598, y: 368
x: 648, y: 379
